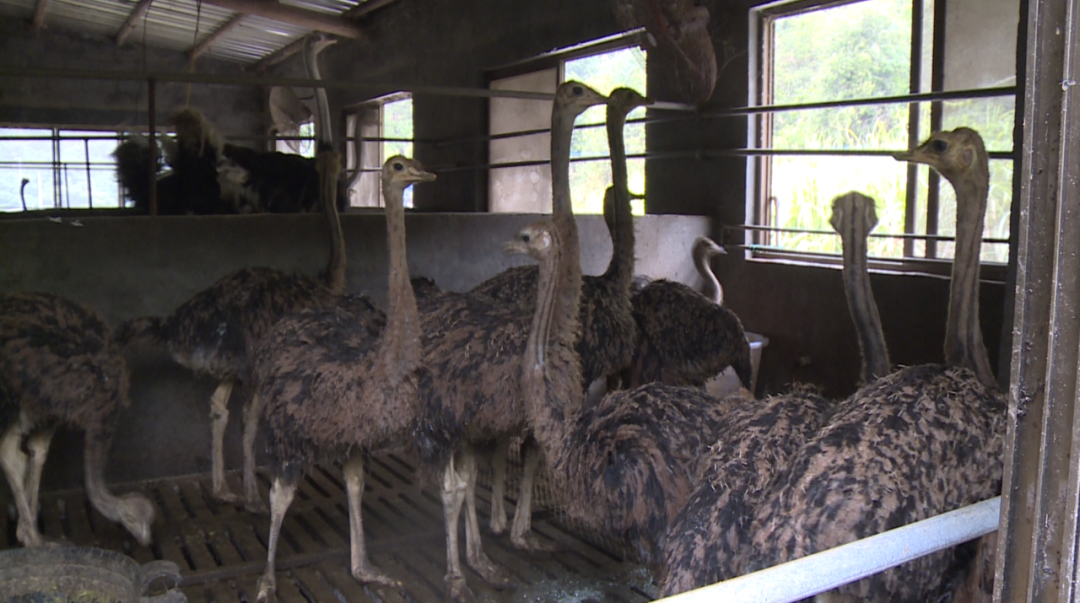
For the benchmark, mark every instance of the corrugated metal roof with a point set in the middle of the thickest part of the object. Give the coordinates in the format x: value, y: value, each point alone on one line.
x: 172, y: 24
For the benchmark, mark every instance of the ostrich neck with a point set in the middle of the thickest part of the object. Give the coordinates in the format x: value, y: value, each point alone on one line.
x: 399, y: 346
x: 621, y: 266
x: 328, y: 166
x: 562, y: 130
x: 713, y: 290
x: 323, y: 132
x: 864, y: 310
x: 963, y: 335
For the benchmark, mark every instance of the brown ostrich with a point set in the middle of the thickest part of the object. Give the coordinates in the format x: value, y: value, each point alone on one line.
x: 708, y: 541
x: 329, y: 386
x: 608, y: 328
x: 471, y: 394
x: 685, y: 337
x: 212, y: 332
x: 626, y: 465
x: 60, y: 367
x: 919, y: 442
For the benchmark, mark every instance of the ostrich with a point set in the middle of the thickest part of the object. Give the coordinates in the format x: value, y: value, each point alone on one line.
x: 919, y: 442
x: 210, y: 176
x: 59, y: 366
x: 212, y: 332
x: 471, y: 393
x: 707, y: 542
x: 627, y: 464
x: 685, y: 337
x: 608, y: 329
x: 331, y: 388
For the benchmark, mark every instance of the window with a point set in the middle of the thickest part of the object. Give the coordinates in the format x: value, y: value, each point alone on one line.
x: 299, y: 142
x: 845, y: 54
x: 62, y: 169
x: 377, y: 130
x: 520, y: 177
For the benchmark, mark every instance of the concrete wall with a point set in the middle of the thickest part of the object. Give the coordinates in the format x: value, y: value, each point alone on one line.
x: 108, y: 104
x: 127, y: 267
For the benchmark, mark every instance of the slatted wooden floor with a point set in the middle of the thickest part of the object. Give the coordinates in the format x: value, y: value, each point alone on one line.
x: 221, y: 549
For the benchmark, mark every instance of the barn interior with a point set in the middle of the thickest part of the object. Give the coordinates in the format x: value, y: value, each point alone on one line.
x: 477, y: 74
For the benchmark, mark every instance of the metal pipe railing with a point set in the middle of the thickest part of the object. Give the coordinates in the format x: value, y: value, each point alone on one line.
x: 824, y: 571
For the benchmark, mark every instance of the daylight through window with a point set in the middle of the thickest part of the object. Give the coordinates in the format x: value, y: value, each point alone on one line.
x: 377, y: 130
x: 868, y: 49
x: 50, y: 168
x: 520, y: 178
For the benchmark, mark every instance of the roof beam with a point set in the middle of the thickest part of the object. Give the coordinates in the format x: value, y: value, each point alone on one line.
x: 285, y: 13
x: 133, y: 18
x: 278, y: 55
x: 365, y: 7
x: 38, y: 20
x: 207, y: 42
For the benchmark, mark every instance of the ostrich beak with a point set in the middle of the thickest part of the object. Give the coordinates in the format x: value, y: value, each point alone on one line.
x: 514, y: 247
x: 421, y: 176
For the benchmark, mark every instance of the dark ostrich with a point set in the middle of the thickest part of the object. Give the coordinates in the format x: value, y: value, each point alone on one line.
x: 331, y: 386
x: 684, y: 337
x: 59, y: 367
x: 608, y: 328
x: 212, y: 333
x: 626, y: 465
x: 709, y: 539
x: 919, y: 442
x: 471, y: 395
x: 209, y: 176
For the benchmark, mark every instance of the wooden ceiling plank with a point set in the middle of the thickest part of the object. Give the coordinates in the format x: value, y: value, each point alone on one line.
x: 133, y: 18
x: 366, y: 7
x: 278, y: 55
x: 209, y: 41
x: 293, y: 15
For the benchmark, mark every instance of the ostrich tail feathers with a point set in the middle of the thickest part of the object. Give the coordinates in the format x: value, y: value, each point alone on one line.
x: 144, y: 328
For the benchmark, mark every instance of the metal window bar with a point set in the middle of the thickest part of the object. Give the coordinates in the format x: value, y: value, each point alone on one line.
x: 824, y: 571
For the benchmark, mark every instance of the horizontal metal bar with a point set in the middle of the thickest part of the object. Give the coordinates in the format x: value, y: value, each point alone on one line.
x: 824, y: 571
x: 924, y: 97
x: 919, y: 237
x: 242, y: 79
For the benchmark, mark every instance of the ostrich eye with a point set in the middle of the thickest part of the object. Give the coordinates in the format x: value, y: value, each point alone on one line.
x: 578, y: 90
x: 525, y: 238
x: 398, y: 167
x: 939, y: 145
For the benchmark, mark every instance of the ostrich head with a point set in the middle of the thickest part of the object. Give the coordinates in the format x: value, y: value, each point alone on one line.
x: 959, y: 155
x: 704, y: 247
x: 536, y: 240
x: 626, y: 100
x: 856, y: 206
x: 136, y: 515
x: 402, y: 171
x: 577, y: 96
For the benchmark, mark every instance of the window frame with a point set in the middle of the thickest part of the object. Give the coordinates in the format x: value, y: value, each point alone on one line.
x: 557, y: 60
x: 358, y: 161
x: 760, y: 204
x: 59, y: 167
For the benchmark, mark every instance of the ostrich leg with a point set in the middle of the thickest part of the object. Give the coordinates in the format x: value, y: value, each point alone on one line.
x: 38, y: 447
x: 15, y: 464
x: 253, y: 501
x: 281, y: 496
x: 219, y: 420
x: 521, y: 533
x: 474, y: 552
x: 454, y: 487
x: 498, y: 487
x: 362, y: 570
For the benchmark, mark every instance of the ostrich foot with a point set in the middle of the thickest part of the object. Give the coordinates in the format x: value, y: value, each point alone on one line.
x: 498, y: 524
x: 532, y: 543
x: 494, y: 575
x: 367, y: 574
x: 28, y: 535
x: 225, y: 495
x: 458, y: 591
x: 267, y: 586
x: 257, y: 506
